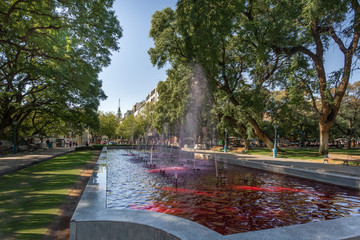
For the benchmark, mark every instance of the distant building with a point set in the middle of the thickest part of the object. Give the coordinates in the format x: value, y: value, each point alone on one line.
x: 152, y: 97
x: 128, y: 113
x: 139, y: 107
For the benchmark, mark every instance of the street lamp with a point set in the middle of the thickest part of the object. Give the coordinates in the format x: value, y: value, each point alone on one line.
x: 225, y: 147
x: 275, y: 145
x: 14, y: 122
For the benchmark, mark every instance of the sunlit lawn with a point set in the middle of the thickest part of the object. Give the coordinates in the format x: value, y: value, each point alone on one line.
x: 30, y: 198
x: 302, y: 153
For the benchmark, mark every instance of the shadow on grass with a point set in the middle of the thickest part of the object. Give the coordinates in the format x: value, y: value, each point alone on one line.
x: 29, y: 198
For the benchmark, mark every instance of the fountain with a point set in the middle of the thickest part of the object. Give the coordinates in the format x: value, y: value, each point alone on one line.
x: 212, y: 198
x: 218, y: 198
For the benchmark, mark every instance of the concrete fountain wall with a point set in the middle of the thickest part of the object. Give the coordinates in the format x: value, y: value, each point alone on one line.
x: 92, y: 220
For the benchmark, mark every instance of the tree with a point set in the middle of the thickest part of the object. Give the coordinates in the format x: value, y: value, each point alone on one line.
x: 51, y: 54
x: 170, y: 46
x: 227, y: 41
x: 300, y: 29
x: 309, y: 29
x: 173, y: 98
x: 133, y: 128
x: 348, y: 120
x: 293, y: 111
x: 108, y: 124
x: 229, y: 117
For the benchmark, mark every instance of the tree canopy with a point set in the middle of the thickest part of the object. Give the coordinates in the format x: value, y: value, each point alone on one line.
x: 252, y: 49
x: 50, y: 55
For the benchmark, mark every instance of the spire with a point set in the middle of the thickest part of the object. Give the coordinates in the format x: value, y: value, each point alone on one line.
x: 119, y: 111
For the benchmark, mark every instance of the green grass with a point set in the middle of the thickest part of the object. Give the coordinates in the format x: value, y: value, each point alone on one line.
x: 30, y: 198
x: 302, y: 154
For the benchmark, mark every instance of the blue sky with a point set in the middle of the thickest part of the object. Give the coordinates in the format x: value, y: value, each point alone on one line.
x: 131, y: 75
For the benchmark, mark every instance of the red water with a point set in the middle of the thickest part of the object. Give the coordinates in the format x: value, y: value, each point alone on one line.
x: 241, y: 200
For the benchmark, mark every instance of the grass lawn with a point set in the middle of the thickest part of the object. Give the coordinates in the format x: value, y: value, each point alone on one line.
x: 303, y: 154
x: 30, y: 198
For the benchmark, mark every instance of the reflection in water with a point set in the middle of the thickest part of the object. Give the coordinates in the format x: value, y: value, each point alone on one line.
x: 226, y: 198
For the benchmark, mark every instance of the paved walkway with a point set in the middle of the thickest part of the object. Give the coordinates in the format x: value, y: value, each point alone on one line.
x: 319, y: 167
x: 12, y: 162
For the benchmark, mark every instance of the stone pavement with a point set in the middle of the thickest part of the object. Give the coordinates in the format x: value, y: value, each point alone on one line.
x: 10, y: 163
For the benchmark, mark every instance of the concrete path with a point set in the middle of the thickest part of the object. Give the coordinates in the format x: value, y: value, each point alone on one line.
x: 10, y: 163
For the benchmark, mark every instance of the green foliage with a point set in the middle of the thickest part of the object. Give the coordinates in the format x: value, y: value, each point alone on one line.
x: 163, y: 29
x: 108, y: 124
x: 234, y: 54
x: 297, y: 121
x: 252, y: 50
x: 133, y: 128
x: 173, y: 98
x: 348, y: 121
x: 52, y: 52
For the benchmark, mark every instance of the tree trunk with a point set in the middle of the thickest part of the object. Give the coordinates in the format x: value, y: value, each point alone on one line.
x: 261, y: 134
x: 247, y: 144
x: 324, y: 138
x: 258, y: 131
x: 349, y: 143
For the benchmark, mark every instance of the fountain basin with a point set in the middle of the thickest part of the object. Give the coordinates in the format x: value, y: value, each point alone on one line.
x: 93, y: 220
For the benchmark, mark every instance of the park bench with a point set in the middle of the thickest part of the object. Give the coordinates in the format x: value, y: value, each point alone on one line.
x: 22, y: 148
x: 216, y: 148
x: 239, y: 150
x: 341, y: 157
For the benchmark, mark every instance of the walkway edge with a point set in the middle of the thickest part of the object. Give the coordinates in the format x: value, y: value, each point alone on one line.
x: 19, y: 166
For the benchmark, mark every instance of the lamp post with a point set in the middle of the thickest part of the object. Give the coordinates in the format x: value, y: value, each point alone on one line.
x: 275, y: 144
x: 225, y: 147
x: 14, y: 122
x: 88, y: 139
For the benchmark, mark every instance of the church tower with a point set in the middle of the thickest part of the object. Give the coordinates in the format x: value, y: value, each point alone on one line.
x: 119, y: 111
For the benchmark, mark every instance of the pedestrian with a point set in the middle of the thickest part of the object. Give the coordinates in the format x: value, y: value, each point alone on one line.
x: 48, y: 143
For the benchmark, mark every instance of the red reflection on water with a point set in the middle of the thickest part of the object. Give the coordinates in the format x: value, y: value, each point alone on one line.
x: 246, y: 200
x: 191, y: 191
x: 269, y: 189
x: 158, y: 207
